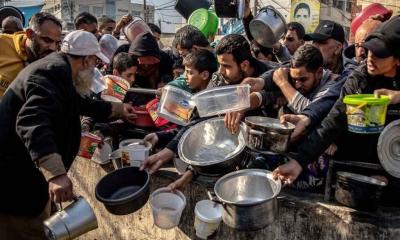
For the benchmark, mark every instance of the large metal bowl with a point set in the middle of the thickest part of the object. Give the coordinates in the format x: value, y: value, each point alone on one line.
x: 210, y: 148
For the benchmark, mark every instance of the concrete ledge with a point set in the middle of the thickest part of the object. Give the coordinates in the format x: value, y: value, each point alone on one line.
x: 301, y: 215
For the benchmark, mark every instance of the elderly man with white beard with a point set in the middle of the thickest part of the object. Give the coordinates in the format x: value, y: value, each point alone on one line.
x: 40, y: 133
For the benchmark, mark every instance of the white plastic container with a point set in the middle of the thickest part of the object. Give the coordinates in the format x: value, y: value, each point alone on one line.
x: 167, y: 207
x: 208, y: 216
x: 222, y: 100
x: 176, y: 105
x: 134, y: 151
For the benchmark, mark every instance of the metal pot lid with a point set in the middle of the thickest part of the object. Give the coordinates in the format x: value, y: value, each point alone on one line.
x: 267, y: 122
x: 389, y: 148
x: 361, y: 178
x: 247, y: 187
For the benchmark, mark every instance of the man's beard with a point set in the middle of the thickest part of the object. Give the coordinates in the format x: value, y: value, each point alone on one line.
x: 35, y: 50
x: 83, y: 81
x: 237, y: 80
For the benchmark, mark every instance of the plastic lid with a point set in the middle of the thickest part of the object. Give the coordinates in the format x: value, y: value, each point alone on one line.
x: 357, y: 99
x: 208, y: 211
x: 199, y: 19
x: 388, y: 148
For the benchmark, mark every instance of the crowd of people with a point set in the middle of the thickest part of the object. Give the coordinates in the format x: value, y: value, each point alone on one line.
x: 48, y: 96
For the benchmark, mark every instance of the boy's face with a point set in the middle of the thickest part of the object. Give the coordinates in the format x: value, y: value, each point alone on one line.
x: 128, y: 74
x: 194, y: 79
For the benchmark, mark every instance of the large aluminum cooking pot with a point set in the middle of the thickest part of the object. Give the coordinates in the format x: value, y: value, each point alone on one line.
x: 267, y: 134
x: 210, y: 148
x: 268, y: 26
x: 248, y: 198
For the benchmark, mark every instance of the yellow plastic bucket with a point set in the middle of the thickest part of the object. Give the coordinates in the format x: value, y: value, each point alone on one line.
x: 366, y: 113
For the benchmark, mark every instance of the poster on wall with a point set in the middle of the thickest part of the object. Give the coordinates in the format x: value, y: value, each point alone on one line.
x: 305, y: 12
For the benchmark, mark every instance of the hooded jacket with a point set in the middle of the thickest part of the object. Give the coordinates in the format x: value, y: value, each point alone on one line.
x: 146, y: 45
x: 12, y: 58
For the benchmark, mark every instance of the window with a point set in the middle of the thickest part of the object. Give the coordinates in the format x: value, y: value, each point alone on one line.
x: 348, y: 6
x: 83, y: 8
x: 136, y: 13
x: 98, y: 11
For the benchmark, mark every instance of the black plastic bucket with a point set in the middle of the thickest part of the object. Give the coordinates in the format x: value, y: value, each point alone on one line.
x: 187, y: 7
x: 358, y: 191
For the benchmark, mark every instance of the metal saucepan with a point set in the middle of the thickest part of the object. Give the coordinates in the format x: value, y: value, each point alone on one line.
x: 248, y: 198
x: 267, y: 134
x: 268, y: 26
x: 210, y: 148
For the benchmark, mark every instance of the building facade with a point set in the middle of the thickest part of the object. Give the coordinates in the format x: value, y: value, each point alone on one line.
x: 67, y: 10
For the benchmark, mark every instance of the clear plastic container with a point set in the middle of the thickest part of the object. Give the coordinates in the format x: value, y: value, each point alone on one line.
x: 136, y: 27
x: 167, y: 207
x: 176, y: 105
x: 222, y: 100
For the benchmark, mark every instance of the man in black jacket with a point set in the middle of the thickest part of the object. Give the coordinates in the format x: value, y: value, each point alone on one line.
x: 380, y: 72
x: 40, y: 133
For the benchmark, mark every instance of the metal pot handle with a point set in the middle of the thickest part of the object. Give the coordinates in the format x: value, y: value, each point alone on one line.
x: 213, y: 197
x: 269, y: 7
x: 75, y: 198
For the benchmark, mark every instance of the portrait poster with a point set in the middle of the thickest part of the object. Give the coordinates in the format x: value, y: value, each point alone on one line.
x: 305, y: 12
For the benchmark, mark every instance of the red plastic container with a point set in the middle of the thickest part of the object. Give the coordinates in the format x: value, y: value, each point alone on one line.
x: 370, y: 10
x: 143, y: 117
x: 89, y: 142
x: 152, y: 108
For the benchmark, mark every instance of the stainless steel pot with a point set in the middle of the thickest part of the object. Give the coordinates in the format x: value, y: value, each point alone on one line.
x: 268, y: 26
x: 267, y: 134
x: 248, y: 198
x: 75, y: 220
x: 210, y: 148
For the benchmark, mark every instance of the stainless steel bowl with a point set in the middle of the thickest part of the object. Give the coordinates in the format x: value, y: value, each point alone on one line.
x: 210, y: 147
x: 249, y: 198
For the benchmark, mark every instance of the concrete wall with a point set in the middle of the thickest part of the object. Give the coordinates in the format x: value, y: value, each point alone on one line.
x: 301, y: 215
